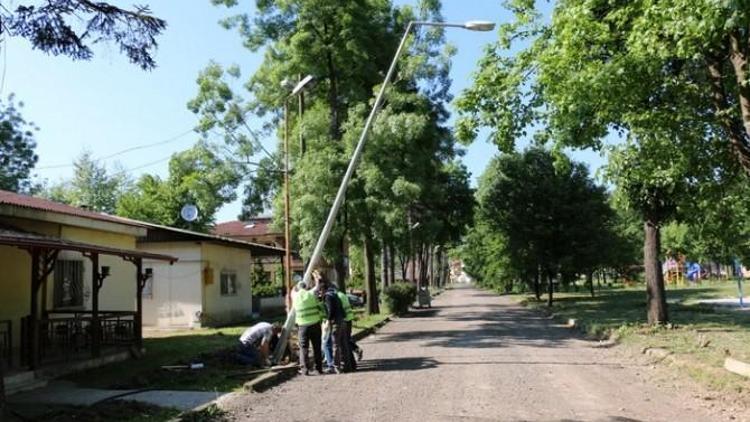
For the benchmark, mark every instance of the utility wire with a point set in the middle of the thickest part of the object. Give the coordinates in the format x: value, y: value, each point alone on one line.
x: 130, y: 170
x: 124, y: 151
x: 4, y: 46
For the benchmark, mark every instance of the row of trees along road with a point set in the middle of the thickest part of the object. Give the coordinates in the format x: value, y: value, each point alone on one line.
x: 48, y: 28
x: 410, y: 171
x: 671, y: 78
x: 540, y: 216
x: 410, y: 198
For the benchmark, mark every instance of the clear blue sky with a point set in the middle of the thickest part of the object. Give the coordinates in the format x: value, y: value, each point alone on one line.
x: 107, y: 105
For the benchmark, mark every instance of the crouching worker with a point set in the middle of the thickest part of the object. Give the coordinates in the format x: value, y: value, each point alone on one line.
x: 256, y: 343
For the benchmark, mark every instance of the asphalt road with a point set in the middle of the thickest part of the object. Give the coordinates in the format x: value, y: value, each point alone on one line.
x: 478, y: 357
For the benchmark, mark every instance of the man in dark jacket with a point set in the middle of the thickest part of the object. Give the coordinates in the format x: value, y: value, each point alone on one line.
x: 336, y: 316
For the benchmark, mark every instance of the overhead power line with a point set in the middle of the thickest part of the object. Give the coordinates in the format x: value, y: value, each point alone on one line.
x: 130, y: 170
x: 124, y: 151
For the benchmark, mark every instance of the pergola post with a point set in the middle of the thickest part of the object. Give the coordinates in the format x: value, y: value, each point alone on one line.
x: 34, y: 310
x: 95, y: 286
x: 140, y: 279
x: 42, y: 264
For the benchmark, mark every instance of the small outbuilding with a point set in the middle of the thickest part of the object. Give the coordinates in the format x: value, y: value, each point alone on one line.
x: 210, y: 284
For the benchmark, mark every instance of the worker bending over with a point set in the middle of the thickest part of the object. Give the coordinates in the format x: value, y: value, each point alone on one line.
x: 256, y: 343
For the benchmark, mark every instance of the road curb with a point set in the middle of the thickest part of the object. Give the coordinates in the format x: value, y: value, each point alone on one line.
x: 737, y: 367
x: 273, y: 379
x: 367, y: 331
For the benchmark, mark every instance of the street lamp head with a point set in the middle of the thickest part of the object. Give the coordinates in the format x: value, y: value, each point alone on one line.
x: 479, y: 25
x: 304, y: 83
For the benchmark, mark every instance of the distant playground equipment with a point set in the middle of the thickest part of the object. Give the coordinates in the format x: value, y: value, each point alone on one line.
x: 674, y: 270
x: 693, y: 271
x: 678, y: 271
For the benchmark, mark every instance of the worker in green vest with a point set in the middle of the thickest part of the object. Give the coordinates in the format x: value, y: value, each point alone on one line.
x: 349, y: 320
x: 308, y: 317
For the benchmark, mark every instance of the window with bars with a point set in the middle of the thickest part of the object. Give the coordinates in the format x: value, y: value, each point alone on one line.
x: 68, y: 284
x: 228, y: 283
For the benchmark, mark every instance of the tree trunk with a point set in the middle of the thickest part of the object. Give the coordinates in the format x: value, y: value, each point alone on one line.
x: 392, y: 262
x: 439, y: 267
x: 340, y: 265
x: 404, y: 267
x: 733, y: 128
x: 739, y: 58
x: 590, y: 281
x: 537, y: 287
x: 430, y: 269
x: 550, y: 288
x: 333, y: 98
x: 656, y: 296
x: 370, y: 279
x: 384, y: 266
x: 423, y: 258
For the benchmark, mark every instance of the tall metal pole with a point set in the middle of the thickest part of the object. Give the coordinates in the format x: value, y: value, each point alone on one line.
x: 318, y: 251
x: 301, y: 104
x: 287, y: 212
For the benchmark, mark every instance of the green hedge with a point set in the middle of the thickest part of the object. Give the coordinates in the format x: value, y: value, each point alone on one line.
x: 399, y: 296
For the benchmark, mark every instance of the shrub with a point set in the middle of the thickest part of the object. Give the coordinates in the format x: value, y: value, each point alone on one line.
x: 399, y: 296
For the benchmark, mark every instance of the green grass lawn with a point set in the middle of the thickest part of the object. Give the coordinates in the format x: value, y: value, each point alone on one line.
x: 177, y: 348
x: 364, y: 321
x: 702, y: 335
x: 113, y: 411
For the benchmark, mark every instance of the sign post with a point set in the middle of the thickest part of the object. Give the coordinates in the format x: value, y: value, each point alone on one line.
x: 740, y: 277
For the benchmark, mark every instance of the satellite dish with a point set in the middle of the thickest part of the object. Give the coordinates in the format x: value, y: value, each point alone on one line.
x: 189, y: 213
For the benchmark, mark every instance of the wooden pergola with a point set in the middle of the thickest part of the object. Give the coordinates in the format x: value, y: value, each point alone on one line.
x: 44, y: 251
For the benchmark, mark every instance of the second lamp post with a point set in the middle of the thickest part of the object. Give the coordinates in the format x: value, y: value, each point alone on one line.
x: 296, y: 90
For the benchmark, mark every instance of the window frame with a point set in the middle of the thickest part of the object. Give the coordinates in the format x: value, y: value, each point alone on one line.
x: 227, y: 279
x: 57, y: 297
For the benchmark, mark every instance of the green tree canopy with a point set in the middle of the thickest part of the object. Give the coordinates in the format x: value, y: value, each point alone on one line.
x: 196, y: 176
x: 70, y: 27
x: 545, y: 214
x: 17, y: 157
x: 91, y: 187
x: 663, y: 75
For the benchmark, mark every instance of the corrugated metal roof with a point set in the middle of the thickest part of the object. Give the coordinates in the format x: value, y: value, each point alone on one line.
x: 40, y: 204
x: 158, y: 233
x: 12, y: 236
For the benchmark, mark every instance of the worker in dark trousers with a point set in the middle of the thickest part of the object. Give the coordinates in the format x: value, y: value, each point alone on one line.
x: 343, y: 359
x: 308, y: 316
x: 348, y: 321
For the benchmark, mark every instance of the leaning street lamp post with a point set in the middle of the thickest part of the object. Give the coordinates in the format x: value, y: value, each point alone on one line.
x: 323, y: 238
x: 296, y: 90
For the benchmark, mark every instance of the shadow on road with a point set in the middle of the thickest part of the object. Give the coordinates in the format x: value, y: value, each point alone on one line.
x: 607, y: 419
x: 478, y: 324
x: 397, y: 364
x: 526, y: 362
